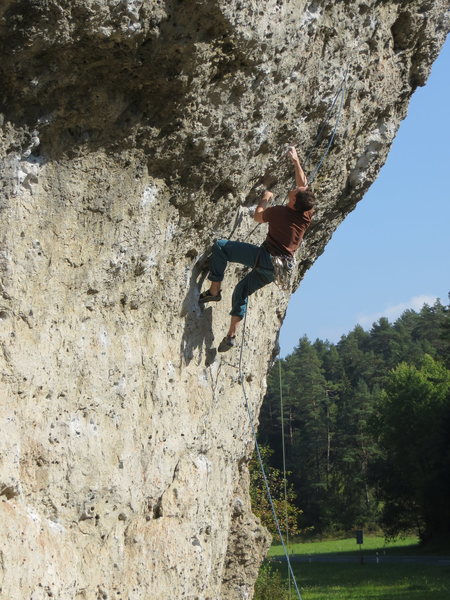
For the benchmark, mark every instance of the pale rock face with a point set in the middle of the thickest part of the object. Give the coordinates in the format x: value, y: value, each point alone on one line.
x: 132, y: 135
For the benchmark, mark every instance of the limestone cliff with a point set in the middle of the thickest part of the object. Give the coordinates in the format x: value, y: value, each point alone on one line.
x: 133, y: 133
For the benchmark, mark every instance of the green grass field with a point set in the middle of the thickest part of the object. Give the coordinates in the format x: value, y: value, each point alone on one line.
x: 370, y: 582
x: 341, y: 581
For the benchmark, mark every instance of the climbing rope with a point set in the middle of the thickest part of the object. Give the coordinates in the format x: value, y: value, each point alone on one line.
x: 261, y: 464
x: 340, y: 95
x: 283, y: 445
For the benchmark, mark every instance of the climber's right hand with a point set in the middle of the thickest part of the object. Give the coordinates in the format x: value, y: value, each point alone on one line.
x: 292, y: 153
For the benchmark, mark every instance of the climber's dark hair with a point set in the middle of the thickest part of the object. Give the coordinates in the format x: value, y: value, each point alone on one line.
x: 304, y: 200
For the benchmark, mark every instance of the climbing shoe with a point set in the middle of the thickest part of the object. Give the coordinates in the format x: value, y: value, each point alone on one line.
x: 208, y: 297
x: 227, y: 343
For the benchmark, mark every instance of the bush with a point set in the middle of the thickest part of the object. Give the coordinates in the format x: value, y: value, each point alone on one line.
x: 270, y: 584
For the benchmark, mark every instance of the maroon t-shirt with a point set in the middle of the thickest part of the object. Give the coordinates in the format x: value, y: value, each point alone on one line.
x: 286, y: 229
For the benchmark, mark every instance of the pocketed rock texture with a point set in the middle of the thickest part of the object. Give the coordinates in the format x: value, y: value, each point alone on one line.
x: 133, y: 134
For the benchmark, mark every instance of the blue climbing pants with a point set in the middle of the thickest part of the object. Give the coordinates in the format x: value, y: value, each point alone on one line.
x: 249, y: 255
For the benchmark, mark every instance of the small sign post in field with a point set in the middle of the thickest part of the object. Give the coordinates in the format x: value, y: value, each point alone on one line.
x: 360, y: 541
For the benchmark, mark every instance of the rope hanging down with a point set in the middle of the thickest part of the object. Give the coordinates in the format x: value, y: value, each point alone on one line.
x: 283, y: 445
x: 261, y: 464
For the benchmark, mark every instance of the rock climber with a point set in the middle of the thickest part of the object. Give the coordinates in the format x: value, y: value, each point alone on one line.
x: 287, y: 225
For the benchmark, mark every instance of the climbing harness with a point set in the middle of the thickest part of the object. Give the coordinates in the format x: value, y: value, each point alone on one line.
x: 283, y: 269
x: 261, y: 464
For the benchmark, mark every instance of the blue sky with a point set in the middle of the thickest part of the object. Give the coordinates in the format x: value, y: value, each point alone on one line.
x: 393, y: 251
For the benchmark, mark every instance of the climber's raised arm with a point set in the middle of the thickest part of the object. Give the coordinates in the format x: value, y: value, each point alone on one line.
x: 262, y: 205
x: 300, y: 177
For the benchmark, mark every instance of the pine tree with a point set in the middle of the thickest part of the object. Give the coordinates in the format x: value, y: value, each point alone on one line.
x: 309, y: 434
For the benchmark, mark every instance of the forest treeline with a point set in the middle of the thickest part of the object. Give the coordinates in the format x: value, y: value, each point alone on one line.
x: 367, y: 426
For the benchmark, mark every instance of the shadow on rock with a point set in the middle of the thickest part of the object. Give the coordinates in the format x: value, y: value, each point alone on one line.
x: 198, y: 321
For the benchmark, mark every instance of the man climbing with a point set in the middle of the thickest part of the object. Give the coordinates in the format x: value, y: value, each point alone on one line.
x: 287, y: 225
